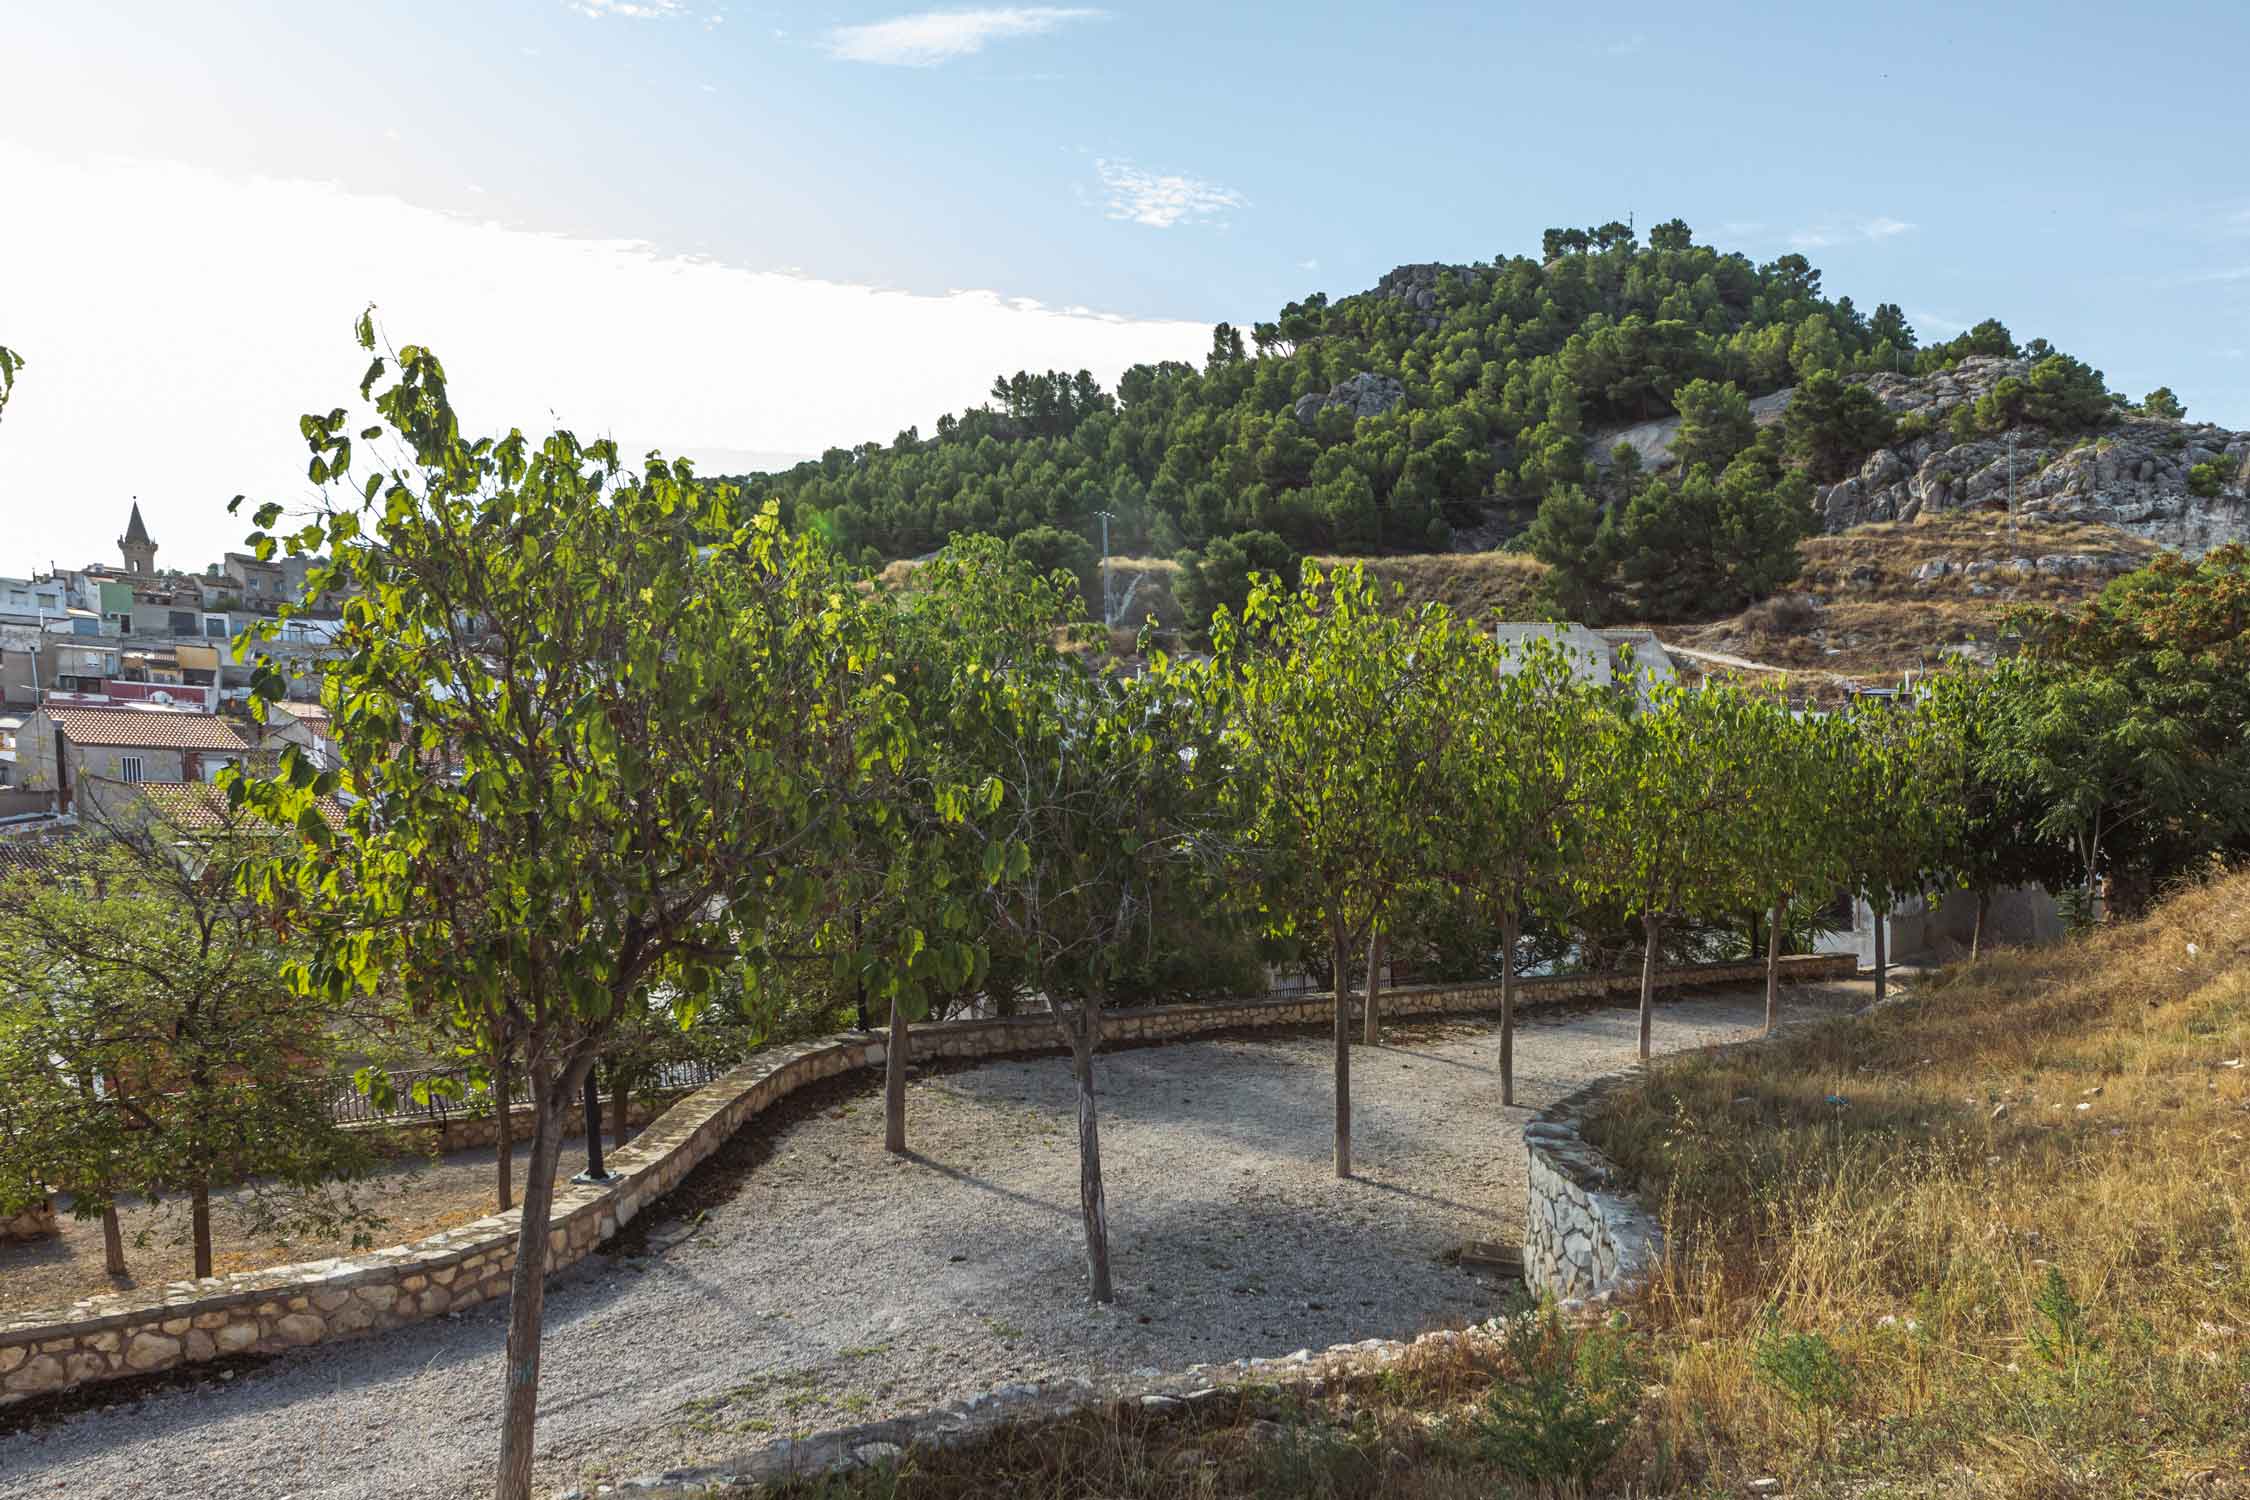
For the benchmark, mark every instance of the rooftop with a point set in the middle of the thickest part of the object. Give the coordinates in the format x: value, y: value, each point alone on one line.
x: 199, y: 807
x: 146, y: 728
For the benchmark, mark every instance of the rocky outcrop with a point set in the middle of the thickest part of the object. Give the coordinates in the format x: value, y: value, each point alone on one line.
x: 1364, y: 395
x: 1653, y: 440
x: 2134, y: 474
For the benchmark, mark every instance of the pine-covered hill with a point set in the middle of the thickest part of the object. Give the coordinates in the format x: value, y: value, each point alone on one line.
x: 1447, y: 401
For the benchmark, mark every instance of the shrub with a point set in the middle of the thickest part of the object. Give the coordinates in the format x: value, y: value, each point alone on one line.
x: 1220, y: 573
x: 1806, y: 1368
x: 2205, y: 480
x: 2060, y: 1336
x: 1784, y: 615
x: 1569, y: 1407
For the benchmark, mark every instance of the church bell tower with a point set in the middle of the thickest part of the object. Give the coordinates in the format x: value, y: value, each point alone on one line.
x: 140, y: 552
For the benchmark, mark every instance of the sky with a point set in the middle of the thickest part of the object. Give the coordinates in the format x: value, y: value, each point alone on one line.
x: 748, y: 233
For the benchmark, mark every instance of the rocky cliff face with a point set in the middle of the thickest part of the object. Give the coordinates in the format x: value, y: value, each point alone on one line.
x: 2134, y: 474
x: 1363, y: 395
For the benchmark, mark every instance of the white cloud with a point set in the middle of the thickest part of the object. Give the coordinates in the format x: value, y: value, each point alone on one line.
x: 1162, y: 200
x: 1625, y: 46
x: 1308, y: 265
x: 180, y: 371
x: 1936, y: 325
x: 631, y: 10
x: 931, y: 37
x: 1821, y: 236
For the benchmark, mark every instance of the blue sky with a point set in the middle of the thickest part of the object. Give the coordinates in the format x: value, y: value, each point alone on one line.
x: 583, y: 203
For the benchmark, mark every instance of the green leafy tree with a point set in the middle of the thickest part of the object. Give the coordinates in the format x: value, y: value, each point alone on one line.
x: 1333, y: 738
x: 1832, y: 424
x: 1672, y: 234
x: 1099, y: 794
x: 1667, y: 839
x: 1218, y: 577
x: 598, y: 728
x: 2059, y: 393
x: 2128, y: 722
x: 1571, y: 536
x: 1999, y: 842
x: 2163, y: 404
x: 151, y: 1044
x: 1514, y: 783
x: 978, y: 617
x: 1898, y: 767
x: 1715, y: 424
x: 1049, y: 549
x: 1709, y: 546
x: 1794, y: 842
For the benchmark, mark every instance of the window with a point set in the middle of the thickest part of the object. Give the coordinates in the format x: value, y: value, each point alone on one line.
x: 215, y: 627
x: 129, y: 769
x: 182, y: 623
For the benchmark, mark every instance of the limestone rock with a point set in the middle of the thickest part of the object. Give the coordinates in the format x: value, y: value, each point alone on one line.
x: 2132, y: 473
x: 300, y: 1328
x: 151, y: 1351
x: 1363, y: 395
x: 43, y: 1373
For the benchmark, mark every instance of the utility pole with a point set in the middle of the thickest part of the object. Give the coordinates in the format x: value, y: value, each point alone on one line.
x: 2011, y: 486
x: 1106, y: 519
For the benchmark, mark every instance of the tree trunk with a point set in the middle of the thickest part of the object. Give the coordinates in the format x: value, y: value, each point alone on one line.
x: 1342, y: 957
x: 503, y: 1133
x: 1773, y: 963
x: 1976, y: 933
x: 199, y: 1215
x: 527, y: 1292
x: 1091, y: 1206
x: 894, y: 1081
x: 1882, y: 954
x: 113, y: 1243
x: 1510, y: 921
x: 1371, y: 1023
x: 1653, y: 925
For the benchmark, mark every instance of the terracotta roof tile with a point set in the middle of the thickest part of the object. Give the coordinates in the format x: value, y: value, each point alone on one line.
x: 198, y: 807
x: 147, y: 729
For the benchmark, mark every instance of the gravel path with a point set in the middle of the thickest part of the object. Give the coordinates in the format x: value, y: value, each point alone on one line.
x: 839, y: 1285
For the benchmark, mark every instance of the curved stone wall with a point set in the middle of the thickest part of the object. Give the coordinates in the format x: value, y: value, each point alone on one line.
x: 1586, y: 1237
x: 114, y: 1336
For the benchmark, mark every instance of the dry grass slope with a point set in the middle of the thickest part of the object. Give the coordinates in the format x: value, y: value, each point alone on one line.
x: 2015, y: 1209
x: 1476, y: 585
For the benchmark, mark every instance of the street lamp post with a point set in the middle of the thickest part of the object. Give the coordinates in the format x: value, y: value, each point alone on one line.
x: 595, y: 1173
x: 1106, y: 519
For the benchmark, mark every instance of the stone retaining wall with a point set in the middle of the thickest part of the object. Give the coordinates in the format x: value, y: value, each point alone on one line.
x: 1586, y: 1237
x: 113, y: 1336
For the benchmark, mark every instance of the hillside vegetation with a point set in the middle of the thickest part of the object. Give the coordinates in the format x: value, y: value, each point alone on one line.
x: 1387, y: 420
x: 1989, y: 1241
